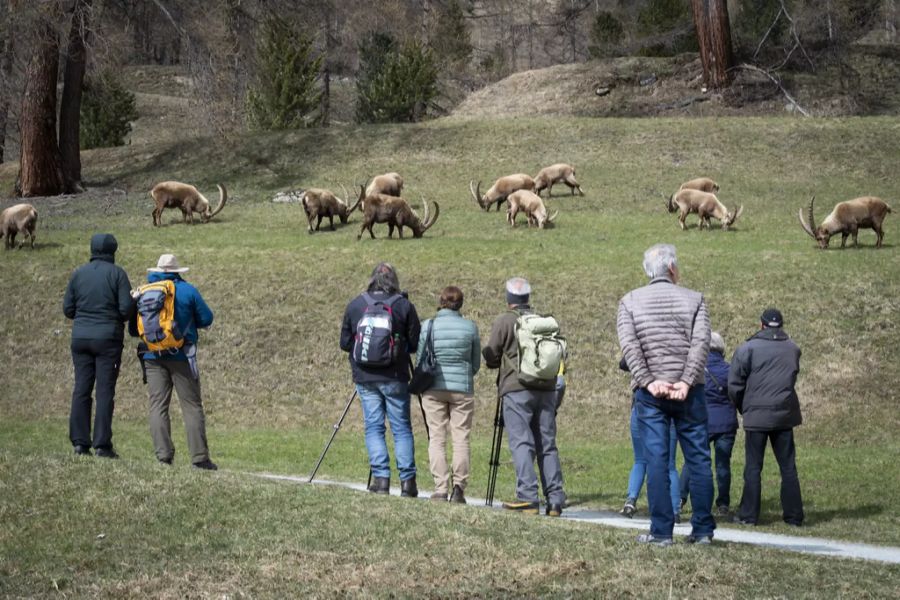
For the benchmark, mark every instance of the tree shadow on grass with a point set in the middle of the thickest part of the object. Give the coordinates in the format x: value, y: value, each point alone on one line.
x: 864, y: 511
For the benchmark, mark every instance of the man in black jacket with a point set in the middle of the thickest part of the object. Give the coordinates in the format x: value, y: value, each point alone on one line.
x: 761, y: 385
x: 98, y: 298
x: 381, y: 380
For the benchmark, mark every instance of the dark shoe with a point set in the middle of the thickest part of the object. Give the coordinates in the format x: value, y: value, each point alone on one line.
x: 794, y: 524
x: 629, y: 509
x: 683, y: 503
x: 106, y: 453
x: 408, y: 488
x: 723, y: 511
x: 82, y: 450
x: 380, y: 485
x: 528, y: 508
x: 554, y: 510
x: 438, y: 497
x: 677, y: 518
x: 651, y: 540
x: 166, y: 461
x: 207, y: 465
x: 457, y: 496
x: 700, y: 540
x: 739, y: 521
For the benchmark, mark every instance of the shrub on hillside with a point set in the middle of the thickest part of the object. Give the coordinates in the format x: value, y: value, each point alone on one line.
x: 606, y: 35
x: 395, y: 82
x: 660, y: 16
x: 107, y: 110
x: 287, y: 90
x: 452, y: 42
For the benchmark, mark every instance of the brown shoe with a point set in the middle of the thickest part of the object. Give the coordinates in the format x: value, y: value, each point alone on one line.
x: 457, y: 497
x: 438, y: 497
x: 523, y: 506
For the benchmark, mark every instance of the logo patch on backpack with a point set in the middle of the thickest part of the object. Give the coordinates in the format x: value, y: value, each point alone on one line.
x: 541, y: 350
x: 156, y: 316
x: 374, y: 344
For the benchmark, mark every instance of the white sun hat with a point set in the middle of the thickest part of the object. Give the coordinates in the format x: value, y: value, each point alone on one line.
x: 167, y: 263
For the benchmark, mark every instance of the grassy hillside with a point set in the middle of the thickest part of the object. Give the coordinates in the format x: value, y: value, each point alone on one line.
x: 274, y: 379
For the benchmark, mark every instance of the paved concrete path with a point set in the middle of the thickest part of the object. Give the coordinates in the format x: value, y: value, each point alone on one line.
x: 808, y: 545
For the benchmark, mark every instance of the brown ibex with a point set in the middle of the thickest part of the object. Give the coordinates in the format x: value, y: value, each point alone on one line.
x: 390, y: 184
x: 706, y: 205
x: 19, y: 218
x: 502, y: 188
x: 396, y: 212
x: 554, y: 174
x: 848, y: 218
x: 174, y: 194
x: 319, y: 203
x: 533, y: 207
x: 701, y: 184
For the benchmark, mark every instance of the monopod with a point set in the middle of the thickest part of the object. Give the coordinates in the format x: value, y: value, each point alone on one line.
x: 333, y: 434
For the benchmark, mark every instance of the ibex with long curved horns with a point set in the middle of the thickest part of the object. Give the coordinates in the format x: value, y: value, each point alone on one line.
x: 319, y: 203
x: 847, y: 218
x: 705, y: 205
x: 396, y: 212
x: 174, y: 194
x: 502, y: 188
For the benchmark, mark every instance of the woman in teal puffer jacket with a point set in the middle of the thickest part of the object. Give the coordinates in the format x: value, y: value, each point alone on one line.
x: 450, y: 402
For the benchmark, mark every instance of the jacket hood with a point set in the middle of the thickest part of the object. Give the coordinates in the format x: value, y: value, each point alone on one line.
x: 154, y: 277
x: 771, y: 333
x: 103, y: 245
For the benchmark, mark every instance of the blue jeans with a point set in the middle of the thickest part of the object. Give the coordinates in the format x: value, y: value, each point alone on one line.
x: 723, y: 444
x: 391, y: 399
x: 655, y: 417
x: 639, y: 470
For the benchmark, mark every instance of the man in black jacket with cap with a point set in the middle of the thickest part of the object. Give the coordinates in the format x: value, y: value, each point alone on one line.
x: 761, y: 385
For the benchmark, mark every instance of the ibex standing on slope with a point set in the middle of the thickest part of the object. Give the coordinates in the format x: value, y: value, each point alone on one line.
x: 554, y: 174
x: 502, y: 188
x: 705, y: 205
x: 396, y: 212
x: 19, y: 218
x: 533, y: 207
x: 319, y: 203
x: 173, y: 194
x: 848, y: 218
x: 390, y: 184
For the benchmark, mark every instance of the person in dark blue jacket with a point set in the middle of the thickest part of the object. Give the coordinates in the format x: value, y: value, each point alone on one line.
x: 179, y: 369
x: 383, y: 390
x: 722, y: 424
x: 98, y: 299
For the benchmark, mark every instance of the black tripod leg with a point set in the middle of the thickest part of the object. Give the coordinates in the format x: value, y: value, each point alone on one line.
x: 333, y: 434
x: 495, y: 453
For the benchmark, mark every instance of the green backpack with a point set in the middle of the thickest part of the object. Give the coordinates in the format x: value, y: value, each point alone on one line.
x: 541, y: 350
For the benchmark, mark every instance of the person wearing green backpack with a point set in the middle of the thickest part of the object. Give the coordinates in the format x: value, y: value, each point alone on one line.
x: 528, y: 351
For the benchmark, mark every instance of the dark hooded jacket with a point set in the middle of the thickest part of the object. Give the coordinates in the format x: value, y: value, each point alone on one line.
x: 98, y: 296
x: 721, y: 415
x: 762, y: 379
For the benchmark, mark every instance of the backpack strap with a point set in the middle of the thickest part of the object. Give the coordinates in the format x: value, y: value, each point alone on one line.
x: 715, y: 380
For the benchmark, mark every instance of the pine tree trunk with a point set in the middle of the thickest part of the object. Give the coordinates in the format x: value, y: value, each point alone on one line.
x: 40, y: 169
x: 714, y: 38
x: 7, y: 57
x: 70, y: 108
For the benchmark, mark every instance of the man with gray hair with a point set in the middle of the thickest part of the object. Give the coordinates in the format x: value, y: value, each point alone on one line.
x: 663, y: 331
x: 529, y: 412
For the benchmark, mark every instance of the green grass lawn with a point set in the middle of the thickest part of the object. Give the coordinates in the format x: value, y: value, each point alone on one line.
x: 274, y: 379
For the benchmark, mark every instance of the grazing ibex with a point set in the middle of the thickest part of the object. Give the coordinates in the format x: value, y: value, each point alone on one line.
x: 702, y: 184
x: 173, y: 194
x: 847, y: 218
x: 706, y: 205
x: 554, y: 174
x: 396, y: 212
x: 319, y: 203
x: 502, y: 188
x: 533, y: 207
x: 19, y: 218
x: 390, y: 184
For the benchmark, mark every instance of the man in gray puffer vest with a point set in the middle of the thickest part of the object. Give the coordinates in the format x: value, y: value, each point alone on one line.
x: 761, y: 385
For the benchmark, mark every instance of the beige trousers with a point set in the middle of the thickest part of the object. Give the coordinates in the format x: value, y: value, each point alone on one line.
x: 162, y: 375
x: 448, y: 410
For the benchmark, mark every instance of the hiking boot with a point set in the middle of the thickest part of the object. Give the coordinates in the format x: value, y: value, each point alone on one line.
x: 737, y: 520
x: 165, y: 461
x: 722, y: 511
x: 438, y: 497
x: 522, y: 506
x: 206, y: 465
x: 380, y: 485
x: 408, y: 488
x: 700, y: 540
x: 629, y: 509
x: 554, y: 510
x: 457, y: 497
x: 652, y: 540
x: 82, y: 450
x: 105, y: 453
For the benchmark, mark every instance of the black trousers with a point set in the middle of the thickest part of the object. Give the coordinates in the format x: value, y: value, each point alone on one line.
x: 95, y: 361
x: 755, y: 451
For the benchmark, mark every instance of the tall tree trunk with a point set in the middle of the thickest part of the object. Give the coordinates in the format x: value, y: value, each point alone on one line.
x: 714, y: 37
x: 40, y: 168
x: 70, y: 108
x: 7, y: 58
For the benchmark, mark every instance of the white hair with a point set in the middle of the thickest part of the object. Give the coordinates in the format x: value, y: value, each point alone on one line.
x: 716, y: 342
x: 658, y: 259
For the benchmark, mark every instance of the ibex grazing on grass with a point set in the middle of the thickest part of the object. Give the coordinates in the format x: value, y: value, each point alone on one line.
x: 847, y: 218
x: 396, y: 212
x: 706, y: 205
x: 19, y: 218
x: 502, y: 188
x: 390, y: 184
x: 554, y: 174
x: 319, y: 203
x: 173, y: 194
x: 702, y: 184
x: 533, y: 207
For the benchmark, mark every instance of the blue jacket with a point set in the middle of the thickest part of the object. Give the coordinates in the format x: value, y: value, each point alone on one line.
x: 457, y: 349
x: 721, y: 413
x: 191, y: 312
x: 405, y: 325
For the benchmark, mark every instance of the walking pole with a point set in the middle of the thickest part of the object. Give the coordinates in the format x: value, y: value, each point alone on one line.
x: 494, y: 461
x: 334, y: 433
x: 421, y: 407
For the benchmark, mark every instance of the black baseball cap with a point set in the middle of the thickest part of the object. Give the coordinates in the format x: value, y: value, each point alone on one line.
x: 771, y: 317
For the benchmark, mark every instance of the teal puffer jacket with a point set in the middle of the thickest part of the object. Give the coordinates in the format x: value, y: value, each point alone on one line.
x: 457, y: 348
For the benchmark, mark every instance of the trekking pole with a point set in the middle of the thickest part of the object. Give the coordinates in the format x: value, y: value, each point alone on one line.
x: 421, y: 407
x: 494, y: 461
x: 333, y: 434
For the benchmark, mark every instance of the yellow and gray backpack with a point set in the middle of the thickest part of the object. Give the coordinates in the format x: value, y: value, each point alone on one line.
x: 541, y: 350
x: 156, y: 317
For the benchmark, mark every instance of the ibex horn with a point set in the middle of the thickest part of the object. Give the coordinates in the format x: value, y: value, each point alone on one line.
x: 472, y: 191
x: 803, y: 223
x: 223, y: 197
x: 550, y: 219
x: 434, y: 217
